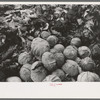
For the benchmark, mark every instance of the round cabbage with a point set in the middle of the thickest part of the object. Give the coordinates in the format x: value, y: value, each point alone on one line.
x: 52, y: 78
x: 49, y: 61
x: 24, y: 58
x: 60, y: 73
x: 59, y: 47
x: 87, y: 64
x: 39, y: 46
x: 52, y: 40
x: 70, y: 52
x: 60, y: 59
x: 36, y: 41
x: 84, y: 51
x: 25, y: 72
x: 45, y: 34
x: 38, y: 72
x: 13, y: 79
x: 71, y: 68
x: 88, y: 77
x: 76, y: 42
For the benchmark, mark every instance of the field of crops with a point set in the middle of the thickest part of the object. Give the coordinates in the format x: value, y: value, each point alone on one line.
x: 49, y: 43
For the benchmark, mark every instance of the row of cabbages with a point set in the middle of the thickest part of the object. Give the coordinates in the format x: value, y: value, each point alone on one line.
x: 50, y: 61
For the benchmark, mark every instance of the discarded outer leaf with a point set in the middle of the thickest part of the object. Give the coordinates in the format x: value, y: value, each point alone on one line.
x: 47, y: 26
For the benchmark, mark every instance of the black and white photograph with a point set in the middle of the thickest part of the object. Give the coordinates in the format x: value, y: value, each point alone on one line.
x: 49, y: 43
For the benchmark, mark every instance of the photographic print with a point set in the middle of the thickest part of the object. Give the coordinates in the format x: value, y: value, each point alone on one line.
x: 49, y: 42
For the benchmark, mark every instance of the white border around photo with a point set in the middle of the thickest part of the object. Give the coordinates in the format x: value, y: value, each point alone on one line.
x: 50, y: 90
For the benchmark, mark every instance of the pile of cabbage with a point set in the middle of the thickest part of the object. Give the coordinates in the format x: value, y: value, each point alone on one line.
x: 56, y: 63
x: 61, y: 47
